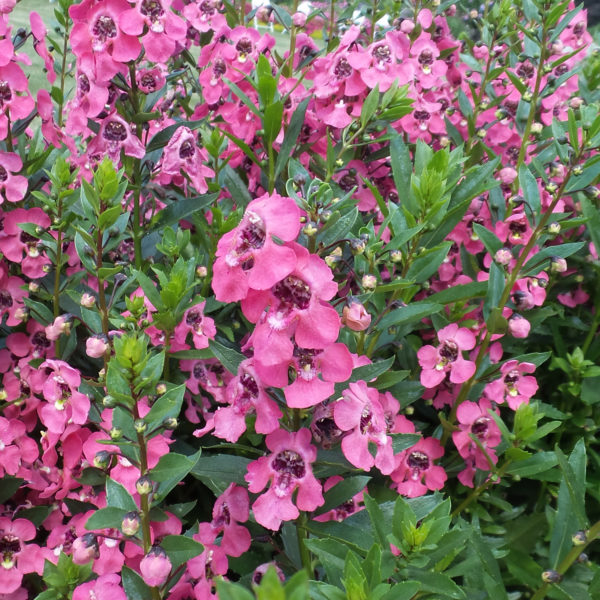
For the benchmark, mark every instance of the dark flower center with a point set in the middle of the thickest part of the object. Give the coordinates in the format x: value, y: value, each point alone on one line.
x: 3, y: 174
x: 480, y: 427
x: 382, y: 54
x: 207, y: 7
x: 347, y: 182
x: 9, y: 544
x: 194, y: 317
x: 426, y: 58
x: 325, y: 431
x: 187, y: 149
x: 418, y: 460
x: 511, y: 377
x: 104, y: 28
x: 421, y: 115
x: 148, y: 81
x: 365, y: 420
x: 219, y: 67
x: 223, y: 518
x: 152, y: 9
x: 294, y: 292
x: 5, y: 93
x: 342, y: 69
x: 83, y: 83
x: 288, y: 462
x: 39, y: 340
x: 115, y: 132
x: 6, y: 300
x: 449, y: 351
x: 244, y: 46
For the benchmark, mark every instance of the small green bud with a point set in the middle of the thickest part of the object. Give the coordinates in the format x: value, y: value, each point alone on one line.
x: 551, y: 576
x: 140, y: 425
x: 143, y: 485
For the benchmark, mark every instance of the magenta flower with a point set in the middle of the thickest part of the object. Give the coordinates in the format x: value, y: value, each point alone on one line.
x: 447, y: 357
x: 245, y: 394
x: 116, y: 135
x: 12, y: 292
x: 514, y: 386
x: 247, y: 256
x: 106, y: 586
x: 17, y: 557
x: 64, y: 402
x: 16, y: 447
x: 474, y: 419
x: 13, y: 187
x: 182, y: 156
x: 360, y: 413
x: 415, y: 472
x: 287, y: 468
x: 201, y: 327
x: 155, y: 567
x: 296, y: 307
x: 230, y: 509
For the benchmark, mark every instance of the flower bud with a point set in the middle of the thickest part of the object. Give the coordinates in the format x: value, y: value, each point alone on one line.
x: 396, y: 256
x: 260, y: 571
x: 115, y: 433
x: 170, y: 423
x: 551, y: 576
x: 537, y: 128
x: 102, y: 459
x: 143, y: 485
x: 155, y: 567
x: 554, y: 228
x: 33, y: 287
x: 558, y: 264
x: 369, y: 282
x: 503, y: 256
x: 109, y: 401
x: 140, y: 425
x: 96, y: 346
x: 355, y: 317
x: 131, y: 523
x: 299, y: 19
x: 518, y: 326
x: 579, y: 538
x: 161, y: 388
x: 357, y: 246
x: 85, y: 548
x: 309, y: 229
x: 87, y: 300
x: 201, y: 271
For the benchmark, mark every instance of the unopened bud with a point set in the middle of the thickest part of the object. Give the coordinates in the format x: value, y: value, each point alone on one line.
x: 503, y: 256
x: 161, y: 388
x: 102, y: 459
x: 143, y: 485
x: 33, y: 287
x: 396, y: 256
x: 131, y: 523
x: 527, y: 96
x: 170, y: 423
x: 551, y: 576
x: 554, y: 228
x: 87, y: 300
x: 579, y: 538
x: 369, y: 282
x: 558, y: 264
x: 140, y: 425
x: 537, y: 128
x: 309, y: 229
x: 357, y: 246
x: 577, y: 170
x: 201, y: 271
x: 115, y: 433
x: 85, y: 549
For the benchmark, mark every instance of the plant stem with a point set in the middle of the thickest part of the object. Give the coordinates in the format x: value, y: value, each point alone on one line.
x: 137, y: 176
x: 58, y: 258
x: 289, y: 70
x: 331, y: 19
x: 302, y: 534
x: 373, y: 22
x: 569, y: 559
x: 63, y: 70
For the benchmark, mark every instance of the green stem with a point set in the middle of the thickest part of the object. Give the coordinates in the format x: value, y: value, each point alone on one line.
x: 290, y: 64
x: 331, y: 19
x: 57, y: 266
x: 373, y: 22
x: 569, y: 559
x: 137, y: 175
x: 63, y: 70
x: 302, y: 534
x: 101, y: 293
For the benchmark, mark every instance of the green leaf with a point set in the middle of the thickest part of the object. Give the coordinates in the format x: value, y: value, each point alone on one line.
x: 228, y: 357
x: 320, y: 590
x: 476, y: 289
x: 332, y: 555
x: 426, y: 264
x: 166, y: 406
x: 541, y: 259
x: 272, y: 121
x: 477, y: 180
x: 410, y: 314
x: 270, y: 587
x: 149, y: 289
x: 403, y: 591
x: 232, y: 591
x: 343, y: 491
x: 369, y: 106
x: 437, y: 583
x: 403, y: 441
x: 182, y: 209
x: 490, y: 240
x: 339, y: 229
x: 369, y: 372
x: 291, y: 136
x: 8, y: 487
x: 243, y: 97
x: 378, y: 521
x: 575, y: 484
x: 219, y: 470
x: 494, y: 293
x: 106, y: 518
x: 402, y: 169
x: 530, y: 188
x: 236, y: 187
x: 134, y: 585
x: 118, y: 497
x: 180, y: 549
x: 170, y: 470
x: 538, y: 463
x: 109, y: 217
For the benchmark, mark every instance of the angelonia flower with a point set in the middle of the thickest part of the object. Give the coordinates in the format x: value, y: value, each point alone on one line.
x: 155, y: 567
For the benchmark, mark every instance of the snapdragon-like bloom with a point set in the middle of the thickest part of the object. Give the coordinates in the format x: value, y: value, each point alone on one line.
x: 115, y: 135
x: 295, y: 307
x: 287, y: 468
x: 475, y: 419
x: 447, y: 357
x: 12, y: 187
x: 514, y: 385
x: 198, y: 324
x: 360, y: 413
x: 248, y: 257
x: 17, y: 557
x: 415, y: 472
x: 106, y: 586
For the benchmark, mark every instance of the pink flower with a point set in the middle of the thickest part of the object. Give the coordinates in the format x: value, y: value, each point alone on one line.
x: 415, y: 465
x: 360, y: 413
x: 14, y: 241
x: 287, y: 468
x: 356, y: 317
x: 229, y: 510
x: 18, y: 558
x: 247, y: 256
x: 13, y: 187
x: 115, y: 135
x: 16, y: 447
x: 513, y: 386
x: 105, y: 587
x: 155, y: 567
x: 474, y: 419
x: 518, y: 326
x: 96, y: 346
x: 201, y: 327
x: 344, y: 510
x: 85, y: 549
x: 296, y: 307
x: 447, y: 357
x: 246, y: 393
